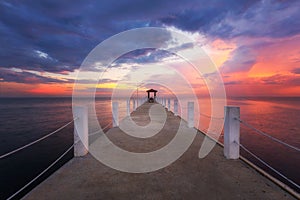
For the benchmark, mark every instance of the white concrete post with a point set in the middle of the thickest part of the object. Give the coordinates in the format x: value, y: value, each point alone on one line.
x: 115, y: 106
x: 165, y: 102
x: 133, y: 103
x: 232, y: 132
x: 128, y: 107
x: 81, y: 131
x: 175, y: 107
x: 169, y: 104
x: 190, y: 114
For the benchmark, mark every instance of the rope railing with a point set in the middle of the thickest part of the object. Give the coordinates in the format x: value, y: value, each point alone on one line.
x: 36, y: 141
x: 267, y: 165
x: 96, y: 132
x: 40, y: 174
x: 267, y: 135
x: 58, y: 159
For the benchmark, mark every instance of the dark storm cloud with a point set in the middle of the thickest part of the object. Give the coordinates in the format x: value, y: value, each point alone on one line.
x: 229, y: 19
x: 25, y: 30
x: 66, y: 31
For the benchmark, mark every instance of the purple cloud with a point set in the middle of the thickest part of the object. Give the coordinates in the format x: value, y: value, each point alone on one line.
x: 279, y: 79
x: 242, y: 59
x: 66, y: 31
x: 296, y: 71
x: 7, y: 75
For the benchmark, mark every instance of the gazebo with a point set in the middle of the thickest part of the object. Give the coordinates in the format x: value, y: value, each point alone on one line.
x: 151, y: 99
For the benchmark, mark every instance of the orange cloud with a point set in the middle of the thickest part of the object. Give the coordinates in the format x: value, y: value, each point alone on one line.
x: 219, y: 51
x: 280, y: 57
x: 272, y: 74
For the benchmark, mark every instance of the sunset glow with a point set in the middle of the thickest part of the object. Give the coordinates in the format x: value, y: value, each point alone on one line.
x: 255, y: 57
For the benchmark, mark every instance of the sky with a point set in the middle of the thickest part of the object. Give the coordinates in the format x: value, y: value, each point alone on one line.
x: 253, y: 44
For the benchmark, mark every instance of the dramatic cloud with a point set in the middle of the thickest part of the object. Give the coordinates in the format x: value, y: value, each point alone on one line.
x: 296, y: 71
x: 66, y: 30
x: 279, y: 79
x: 8, y: 75
x: 55, y: 36
x: 242, y: 60
x: 229, y: 19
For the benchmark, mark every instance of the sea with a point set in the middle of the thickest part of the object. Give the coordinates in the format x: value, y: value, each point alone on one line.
x: 23, y: 120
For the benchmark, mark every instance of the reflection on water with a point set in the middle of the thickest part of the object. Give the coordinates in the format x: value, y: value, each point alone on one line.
x: 278, y: 117
x: 24, y: 120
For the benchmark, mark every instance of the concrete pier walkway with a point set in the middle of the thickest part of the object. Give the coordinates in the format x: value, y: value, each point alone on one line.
x: 189, y: 177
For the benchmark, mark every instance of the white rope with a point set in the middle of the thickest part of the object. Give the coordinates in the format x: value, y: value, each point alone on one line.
x: 94, y: 133
x: 38, y: 140
x: 266, y: 164
x: 45, y: 170
x: 267, y: 135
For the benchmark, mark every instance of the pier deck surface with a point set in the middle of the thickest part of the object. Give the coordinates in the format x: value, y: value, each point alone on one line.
x: 212, y: 177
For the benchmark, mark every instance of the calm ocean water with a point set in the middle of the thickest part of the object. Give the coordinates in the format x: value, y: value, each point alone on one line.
x: 23, y: 120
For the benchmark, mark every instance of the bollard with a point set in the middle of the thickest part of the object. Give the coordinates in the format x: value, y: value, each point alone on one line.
x: 128, y: 107
x: 175, y: 107
x: 190, y: 114
x: 169, y: 104
x: 115, y: 106
x: 81, y: 131
x: 232, y: 132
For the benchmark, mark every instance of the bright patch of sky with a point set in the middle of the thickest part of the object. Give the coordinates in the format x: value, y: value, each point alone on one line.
x: 42, y: 54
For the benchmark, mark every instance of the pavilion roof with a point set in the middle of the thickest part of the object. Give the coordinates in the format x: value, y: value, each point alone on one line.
x: 151, y: 90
